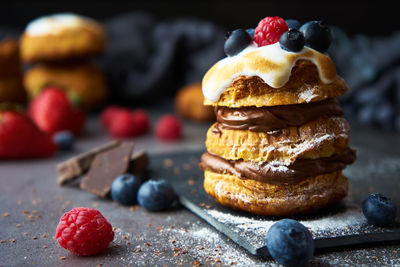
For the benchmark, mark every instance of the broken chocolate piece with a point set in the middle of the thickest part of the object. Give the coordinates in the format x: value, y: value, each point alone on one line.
x: 139, y: 162
x: 78, y: 165
x: 105, y: 167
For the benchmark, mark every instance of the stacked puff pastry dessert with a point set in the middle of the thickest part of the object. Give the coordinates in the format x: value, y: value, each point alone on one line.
x: 60, y: 47
x: 280, y: 142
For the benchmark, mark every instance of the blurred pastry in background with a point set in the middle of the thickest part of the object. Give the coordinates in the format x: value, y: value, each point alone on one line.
x: 83, y: 80
x: 11, y: 89
x: 60, y: 46
x: 189, y: 103
x: 62, y: 37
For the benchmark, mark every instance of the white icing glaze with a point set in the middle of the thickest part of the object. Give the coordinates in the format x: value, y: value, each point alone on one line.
x: 55, y: 24
x: 271, y: 63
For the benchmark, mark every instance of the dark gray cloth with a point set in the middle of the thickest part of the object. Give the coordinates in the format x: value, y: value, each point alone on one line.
x: 371, y: 68
x: 147, y: 60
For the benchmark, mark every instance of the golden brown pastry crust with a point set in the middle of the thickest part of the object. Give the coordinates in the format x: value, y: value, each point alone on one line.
x: 304, y: 86
x: 322, y: 137
x: 9, y: 58
x: 80, y: 42
x: 11, y: 89
x: 189, y: 103
x: 260, y: 198
x: 85, y: 80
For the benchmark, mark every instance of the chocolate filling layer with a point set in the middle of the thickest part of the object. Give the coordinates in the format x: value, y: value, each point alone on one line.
x: 264, y: 119
x: 277, y: 174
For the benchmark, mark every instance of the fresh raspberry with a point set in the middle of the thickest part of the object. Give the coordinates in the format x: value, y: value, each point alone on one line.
x: 122, y: 124
x: 84, y: 231
x: 168, y: 128
x: 107, y: 115
x: 269, y: 30
x: 141, y: 120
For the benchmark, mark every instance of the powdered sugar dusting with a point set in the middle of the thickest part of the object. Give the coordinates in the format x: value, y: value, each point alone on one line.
x: 346, y: 222
x: 308, y: 95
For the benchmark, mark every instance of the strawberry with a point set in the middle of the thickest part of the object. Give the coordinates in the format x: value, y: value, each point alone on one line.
x: 21, y: 138
x: 52, y: 111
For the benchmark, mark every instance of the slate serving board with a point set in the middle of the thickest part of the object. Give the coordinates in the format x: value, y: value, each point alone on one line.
x: 340, y: 225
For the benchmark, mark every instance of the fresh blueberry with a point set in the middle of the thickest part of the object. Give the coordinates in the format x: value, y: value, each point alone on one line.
x: 251, y: 32
x: 237, y: 41
x: 317, y: 35
x: 293, y: 24
x: 292, y: 40
x: 64, y: 139
x: 124, y: 189
x: 379, y: 210
x: 156, y: 195
x: 290, y: 243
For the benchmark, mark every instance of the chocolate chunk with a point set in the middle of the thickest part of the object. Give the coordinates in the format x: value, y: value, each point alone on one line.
x: 80, y: 164
x: 105, y: 167
x: 139, y: 162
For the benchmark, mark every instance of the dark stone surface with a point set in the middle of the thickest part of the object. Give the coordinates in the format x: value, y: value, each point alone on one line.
x: 33, y: 201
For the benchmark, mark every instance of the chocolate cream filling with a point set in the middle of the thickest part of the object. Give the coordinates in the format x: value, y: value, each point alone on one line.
x: 265, y: 119
x: 275, y: 173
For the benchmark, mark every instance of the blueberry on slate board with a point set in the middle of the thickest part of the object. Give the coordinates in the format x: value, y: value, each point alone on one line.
x: 379, y: 210
x: 293, y: 24
x: 290, y: 243
x: 237, y: 41
x: 156, y: 195
x: 292, y: 40
x: 64, y: 139
x: 124, y: 189
x: 317, y: 35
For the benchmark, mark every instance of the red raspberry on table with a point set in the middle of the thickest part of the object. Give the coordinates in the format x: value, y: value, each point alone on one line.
x: 168, y: 127
x: 84, y: 231
x: 269, y: 30
x: 108, y: 114
x: 124, y: 122
x: 141, y: 120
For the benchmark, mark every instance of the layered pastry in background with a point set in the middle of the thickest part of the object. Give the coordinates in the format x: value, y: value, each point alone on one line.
x: 280, y: 142
x: 189, y: 103
x: 60, y: 48
x: 11, y: 88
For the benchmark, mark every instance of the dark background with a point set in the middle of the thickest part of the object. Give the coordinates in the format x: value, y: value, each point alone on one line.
x: 366, y: 17
x: 159, y: 54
